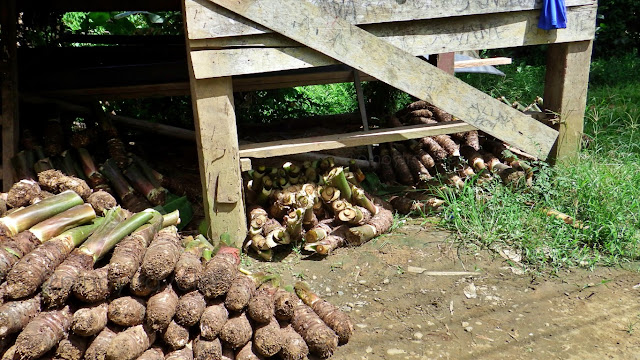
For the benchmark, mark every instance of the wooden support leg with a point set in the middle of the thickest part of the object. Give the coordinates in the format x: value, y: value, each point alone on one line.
x: 217, y: 139
x: 444, y: 62
x: 9, y: 81
x: 565, y: 93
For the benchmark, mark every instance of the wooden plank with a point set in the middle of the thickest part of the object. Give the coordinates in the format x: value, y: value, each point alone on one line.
x: 482, y: 62
x: 360, y: 138
x: 9, y: 91
x: 245, y: 164
x: 363, y: 51
x: 217, y: 140
x: 207, y: 20
x: 416, y: 37
x: 565, y: 93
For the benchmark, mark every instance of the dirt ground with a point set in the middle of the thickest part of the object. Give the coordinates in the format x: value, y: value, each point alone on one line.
x: 499, y: 312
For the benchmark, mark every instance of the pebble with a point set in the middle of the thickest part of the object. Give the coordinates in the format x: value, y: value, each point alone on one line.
x: 396, y: 352
x: 314, y: 277
x: 417, y: 335
x: 362, y: 282
x: 468, y: 329
x: 386, y: 281
x: 340, y: 293
x: 361, y: 326
x: 327, y: 289
x: 369, y: 350
x: 465, y: 324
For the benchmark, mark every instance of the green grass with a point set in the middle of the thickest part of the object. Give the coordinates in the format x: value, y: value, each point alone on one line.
x: 601, y: 188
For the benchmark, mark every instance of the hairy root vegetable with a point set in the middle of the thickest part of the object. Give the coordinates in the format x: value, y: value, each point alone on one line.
x: 471, y: 139
x: 162, y: 255
x: 213, y: 319
x: 93, y: 285
x: 379, y: 224
x: 176, y: 335
x: 130, y: 199
x: 293, y: 345
x: 417, y: 168
x: 43, y: 332
x: 283, y: 304
x: 130, y: 343
x: 186, y: 353
x: 97, y: 349
x: 220, y: 272
x: 90, y: 320
x: 267, y: 339
x: 127, y: 311
x: 261, y: 307
x: 57, y: 288
x: 71, y: 348
x: 44, y: 220
x: 240, y: 292
x: 403, y: 173
x: 207, y: 349
x: 420, y: 104
x: 15, y: 315
x: 190, y: 308
x: 31, y: 271
x: 448, y: 144
x: 102, y: 201
x: 155, y: 353
x: 405, y: 206
x: 337, y: 320
x: 189, y: 267
x: 473, y: 157
x: 248, y: 352
x: 237, y: 331
x: 141, y: 285
x: 434, y: 149
x: 129, y: 253
x: 23, y: 193
x: 320, y: 339
x: 161, y: 307
x: 57, y: 182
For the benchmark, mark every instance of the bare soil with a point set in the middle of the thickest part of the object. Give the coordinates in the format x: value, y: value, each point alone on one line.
x: 500, y: 312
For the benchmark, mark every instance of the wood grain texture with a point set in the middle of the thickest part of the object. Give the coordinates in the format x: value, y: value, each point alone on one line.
x: 272, y: 52
x: 463, y: 64
x: 360, y: 138
x: 565, y: 93
x: 9, y: 91
x: 217, y: 141
x: 207, y: 20
x: 336, y: 38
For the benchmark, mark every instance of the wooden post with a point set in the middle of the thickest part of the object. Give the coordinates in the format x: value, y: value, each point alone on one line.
x: 217, y: 138
x: 446, y: 62
x: 9, y: 81
x: 565, y: 93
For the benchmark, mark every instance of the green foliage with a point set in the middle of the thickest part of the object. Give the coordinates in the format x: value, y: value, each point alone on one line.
x: 123, y: 23
x: 600, y: 188
x: 618, y: 27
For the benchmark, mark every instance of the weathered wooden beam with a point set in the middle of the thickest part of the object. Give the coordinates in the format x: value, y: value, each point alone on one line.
x: 360, y: 138
x: 565, y: 93
x: 274, y: 52
x: 336, y: 38
x: 463, y: 64
x: 9, y: 90
x: 211, y: 21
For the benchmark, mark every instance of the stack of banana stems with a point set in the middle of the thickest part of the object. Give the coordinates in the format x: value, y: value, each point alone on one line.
x: 318, y: 204
x: 81, y: 281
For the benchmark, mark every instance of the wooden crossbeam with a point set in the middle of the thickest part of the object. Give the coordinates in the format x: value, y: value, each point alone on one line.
x: 360, y: 138
x: 310, y: 25
x: 225, y: 24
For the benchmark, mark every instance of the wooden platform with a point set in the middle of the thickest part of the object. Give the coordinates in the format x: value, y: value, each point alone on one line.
x: 252, y: 44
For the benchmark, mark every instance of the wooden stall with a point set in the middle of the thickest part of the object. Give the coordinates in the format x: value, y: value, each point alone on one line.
x: 247, y: 45
x: 228, y: 40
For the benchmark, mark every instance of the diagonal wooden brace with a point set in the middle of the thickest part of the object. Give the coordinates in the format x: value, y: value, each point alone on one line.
x: 307, y: 24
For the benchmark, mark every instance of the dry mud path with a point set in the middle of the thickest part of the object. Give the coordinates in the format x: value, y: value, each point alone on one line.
x: 498, y: 313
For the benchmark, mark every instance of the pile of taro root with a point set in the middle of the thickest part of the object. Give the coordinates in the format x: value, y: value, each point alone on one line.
x: 82, y: 278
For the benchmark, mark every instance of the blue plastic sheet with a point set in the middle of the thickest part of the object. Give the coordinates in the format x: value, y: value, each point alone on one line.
x: 553, y: 16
